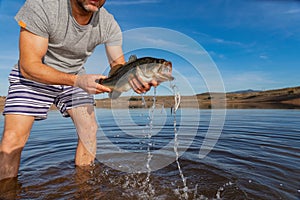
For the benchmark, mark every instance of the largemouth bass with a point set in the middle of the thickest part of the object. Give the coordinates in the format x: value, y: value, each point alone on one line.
x: 146, y: 68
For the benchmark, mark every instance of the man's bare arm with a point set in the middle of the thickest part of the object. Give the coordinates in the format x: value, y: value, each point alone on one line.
x: 115, y: 55
x: 32, y: 50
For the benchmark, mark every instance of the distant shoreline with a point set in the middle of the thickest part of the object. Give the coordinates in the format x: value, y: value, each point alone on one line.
x: 286, y: 98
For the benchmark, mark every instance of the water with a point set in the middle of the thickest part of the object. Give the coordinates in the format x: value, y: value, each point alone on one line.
x: 176, y: 143
x: 150, y: 192
x: 256, y: 157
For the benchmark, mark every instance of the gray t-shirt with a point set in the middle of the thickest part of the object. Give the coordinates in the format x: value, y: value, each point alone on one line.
x: 70, y: 44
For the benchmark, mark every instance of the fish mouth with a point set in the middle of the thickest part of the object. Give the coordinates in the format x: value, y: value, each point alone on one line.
x: 167, y: 71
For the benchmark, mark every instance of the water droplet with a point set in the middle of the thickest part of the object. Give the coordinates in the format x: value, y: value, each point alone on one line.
x: 229, y: 183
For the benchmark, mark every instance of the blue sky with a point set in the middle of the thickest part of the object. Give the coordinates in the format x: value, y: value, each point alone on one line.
x: 254, y: 44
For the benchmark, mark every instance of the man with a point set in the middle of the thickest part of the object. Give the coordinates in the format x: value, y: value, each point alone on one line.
x: 56, y: 38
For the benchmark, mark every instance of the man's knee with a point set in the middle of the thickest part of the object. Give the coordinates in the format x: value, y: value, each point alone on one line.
x: 88, y: 135
x: 94, y: 127
x: 88, y: 128
x: 13, y: 140
x: 16, y: 132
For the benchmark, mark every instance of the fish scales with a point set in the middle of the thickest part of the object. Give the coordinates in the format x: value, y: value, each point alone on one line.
x: 146, y: 68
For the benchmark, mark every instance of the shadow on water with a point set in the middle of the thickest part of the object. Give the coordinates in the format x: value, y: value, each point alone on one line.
x: 101, y: 182
x: 205, y: 180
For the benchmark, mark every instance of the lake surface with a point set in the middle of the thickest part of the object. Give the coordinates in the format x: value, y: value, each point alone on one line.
x: 256, y: 156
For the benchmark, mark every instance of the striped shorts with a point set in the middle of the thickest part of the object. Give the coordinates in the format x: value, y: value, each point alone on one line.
x: 26, y: 97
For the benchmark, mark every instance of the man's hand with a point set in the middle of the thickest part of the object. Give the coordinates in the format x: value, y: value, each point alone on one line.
x: 87, y: 82
x: 140, y: 86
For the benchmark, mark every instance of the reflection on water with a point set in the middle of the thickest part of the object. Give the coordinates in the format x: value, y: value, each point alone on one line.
x: 256, y: 157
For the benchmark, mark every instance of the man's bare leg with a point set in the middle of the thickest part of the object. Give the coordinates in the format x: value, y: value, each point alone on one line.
x: 15, y: 135
x: 86, y: 126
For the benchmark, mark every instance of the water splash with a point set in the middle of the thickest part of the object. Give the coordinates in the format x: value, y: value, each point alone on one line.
x: 93, y: 179
x: 144, y: 104
x: 222, y: 188
x: 177, y: 99
x: 150, y: 189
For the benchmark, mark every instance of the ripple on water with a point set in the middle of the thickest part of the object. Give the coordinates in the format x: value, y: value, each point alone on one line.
x: 256, y: 157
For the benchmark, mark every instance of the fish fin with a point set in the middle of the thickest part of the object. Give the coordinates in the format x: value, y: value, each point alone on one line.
x: 132, y: 58
x: 114, y: 69
x: 114, y: 94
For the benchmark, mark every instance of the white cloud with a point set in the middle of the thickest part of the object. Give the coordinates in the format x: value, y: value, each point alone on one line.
x: 217, y: 55
x: 227, y: 42
x: 211, y: 39
x: 173, y: 45
x: 264, y: 57
x: 292, y: 11
x: 163, y: 39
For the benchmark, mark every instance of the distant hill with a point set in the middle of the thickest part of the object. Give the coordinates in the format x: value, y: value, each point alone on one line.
x: 244, y: 91
x: 288, y: 98
x: 284, y: 95
x: 279, y: 98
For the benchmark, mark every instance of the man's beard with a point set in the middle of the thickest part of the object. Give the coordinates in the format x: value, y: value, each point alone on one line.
x: 88, y: 7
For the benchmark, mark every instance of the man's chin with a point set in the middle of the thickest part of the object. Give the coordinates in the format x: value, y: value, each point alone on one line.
x: 91, y: 8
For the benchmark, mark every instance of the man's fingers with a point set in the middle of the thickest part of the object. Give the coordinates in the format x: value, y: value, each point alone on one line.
x: 154, y: 83
x: 90, y: 83
x: 135, y: 85
x: 102, y: 88
x: 146, y: 86
x: 140, y: 86
x: 99, y: 87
